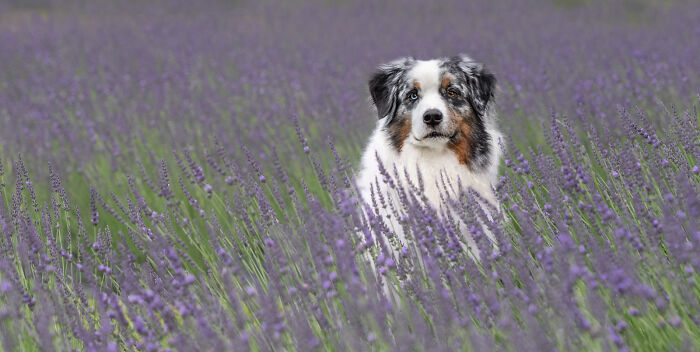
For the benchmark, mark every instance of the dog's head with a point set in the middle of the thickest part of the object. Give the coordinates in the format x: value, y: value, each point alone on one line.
x: 436, y: 104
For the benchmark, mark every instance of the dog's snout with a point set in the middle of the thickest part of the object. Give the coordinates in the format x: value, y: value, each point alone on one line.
x: 432, y: 117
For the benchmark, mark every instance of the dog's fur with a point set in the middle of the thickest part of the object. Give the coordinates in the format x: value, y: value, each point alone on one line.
x: 461, y: 151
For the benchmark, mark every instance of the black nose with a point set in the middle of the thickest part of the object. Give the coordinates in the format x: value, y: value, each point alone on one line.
x: 432, y: 117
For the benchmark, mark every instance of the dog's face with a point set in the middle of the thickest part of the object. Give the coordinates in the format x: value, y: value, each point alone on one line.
x: 435, y: 104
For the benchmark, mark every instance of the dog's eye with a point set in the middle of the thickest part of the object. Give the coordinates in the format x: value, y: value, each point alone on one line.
x: 452, y: 92
x: 413, y: 95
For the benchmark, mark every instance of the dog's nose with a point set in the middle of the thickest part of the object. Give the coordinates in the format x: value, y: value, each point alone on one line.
x: 432, y: 117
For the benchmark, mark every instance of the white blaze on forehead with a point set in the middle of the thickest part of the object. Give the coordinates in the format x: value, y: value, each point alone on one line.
x: 427, y: 74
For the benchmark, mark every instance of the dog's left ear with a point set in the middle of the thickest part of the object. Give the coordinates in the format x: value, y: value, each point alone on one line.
x: 480, y: 82
x: 384, y: 86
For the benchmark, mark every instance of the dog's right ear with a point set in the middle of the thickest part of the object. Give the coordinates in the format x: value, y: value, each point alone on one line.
x: 384, y: 86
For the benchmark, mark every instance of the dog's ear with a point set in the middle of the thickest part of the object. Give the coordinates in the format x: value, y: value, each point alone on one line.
x: 480, y: 83
x: 384, y: 86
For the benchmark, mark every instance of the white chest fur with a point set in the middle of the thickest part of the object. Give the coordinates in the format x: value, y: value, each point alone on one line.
x: 441, y: 173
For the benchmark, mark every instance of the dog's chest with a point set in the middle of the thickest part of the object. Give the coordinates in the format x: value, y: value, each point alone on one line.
x: 440, y: 172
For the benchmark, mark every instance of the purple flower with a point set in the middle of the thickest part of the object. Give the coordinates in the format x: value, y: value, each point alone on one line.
x: 598, y: 192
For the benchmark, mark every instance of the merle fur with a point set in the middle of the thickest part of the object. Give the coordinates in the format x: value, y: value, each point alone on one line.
x: 478, y: 85
x: 385, y: 87
x: 474, y: 80
x: 385, y: 84
x: 478, y: 82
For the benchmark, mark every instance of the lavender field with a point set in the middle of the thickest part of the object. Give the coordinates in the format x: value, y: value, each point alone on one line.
x: 180, y: 178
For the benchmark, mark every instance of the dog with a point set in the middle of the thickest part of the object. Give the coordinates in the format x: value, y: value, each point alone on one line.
x: 436, y: 131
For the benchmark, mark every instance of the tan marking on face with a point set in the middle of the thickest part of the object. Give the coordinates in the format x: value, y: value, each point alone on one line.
x: 416, y: 84
x: 445, y: 82
x: 398, y: 132
x: 461, y: 144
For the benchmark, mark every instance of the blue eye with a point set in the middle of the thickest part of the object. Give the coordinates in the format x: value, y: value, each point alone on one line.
x: 413, y: 95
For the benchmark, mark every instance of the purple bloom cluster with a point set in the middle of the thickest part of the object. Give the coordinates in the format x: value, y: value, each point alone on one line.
x: 212, y: 157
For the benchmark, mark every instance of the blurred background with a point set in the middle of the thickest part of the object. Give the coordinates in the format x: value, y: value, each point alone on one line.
x: 90, y: 82
x: 209, y: 147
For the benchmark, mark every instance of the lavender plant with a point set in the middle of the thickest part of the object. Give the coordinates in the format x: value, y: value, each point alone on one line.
x: 175, y: 178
